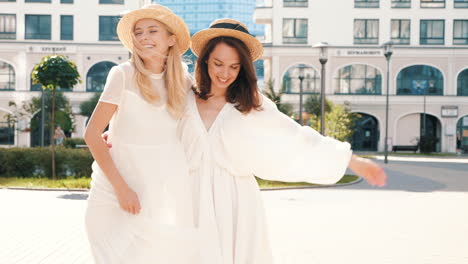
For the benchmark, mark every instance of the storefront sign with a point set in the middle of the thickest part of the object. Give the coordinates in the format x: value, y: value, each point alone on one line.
x: 52, y: 49
x: 359, y: 52
x: 449, y: 111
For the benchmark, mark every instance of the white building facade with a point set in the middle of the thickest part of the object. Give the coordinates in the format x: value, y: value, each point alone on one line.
x: 428, y: 74
x: 31, y: 29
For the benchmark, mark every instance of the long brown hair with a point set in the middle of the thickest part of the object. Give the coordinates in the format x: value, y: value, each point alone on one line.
x: 243, y: 92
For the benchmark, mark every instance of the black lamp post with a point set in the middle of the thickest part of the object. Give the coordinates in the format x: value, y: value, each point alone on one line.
x: 388, y: 54
x: 42, y: 116
x: 323, y: 58
x: 301, y: 68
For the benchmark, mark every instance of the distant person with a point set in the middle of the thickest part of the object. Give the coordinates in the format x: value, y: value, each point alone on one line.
x: 59, y: 135
x: 458, y: 141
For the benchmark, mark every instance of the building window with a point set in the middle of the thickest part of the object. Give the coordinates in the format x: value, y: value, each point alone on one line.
x: 358, y: 79
x: 118, y: 2
x: 460, y: 32
x: 66, y: 27
x: 420, y: 80
x: 295, y: 31
x: 462, y: 83
x: 433, y: 3
x: 66, y: 1
x: 7, y: 0
x: 366, y: 133
x: 7, y: 129
x: 366, y: 31
x: 107, y: 28
x: 97, y: 75
x: 37, y: 27
x: 7, y: 77
x: 7, y: 26
x: 295, y: 3
x: 400, y: 31
x: 366, y: 3
x: 460, y: 4
x: 38, y: 1
x: 310, y: 83
x: 432, y: 32
x: 401, y: 3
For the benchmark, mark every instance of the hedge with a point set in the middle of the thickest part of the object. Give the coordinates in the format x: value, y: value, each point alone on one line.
x: 36, y: 162
x: 72, y: 142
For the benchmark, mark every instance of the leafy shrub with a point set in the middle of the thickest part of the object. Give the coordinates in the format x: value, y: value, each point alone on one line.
x: 36, y: 162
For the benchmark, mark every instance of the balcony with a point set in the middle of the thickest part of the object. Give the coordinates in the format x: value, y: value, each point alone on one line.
x: 263, y: 15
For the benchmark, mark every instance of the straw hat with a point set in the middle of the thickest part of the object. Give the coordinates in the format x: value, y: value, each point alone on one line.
x: 159, y: 13
x: 227, y: 28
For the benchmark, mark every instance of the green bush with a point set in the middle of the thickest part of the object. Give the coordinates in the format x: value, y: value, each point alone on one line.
x: 72, y: 142
x: 35, y: 162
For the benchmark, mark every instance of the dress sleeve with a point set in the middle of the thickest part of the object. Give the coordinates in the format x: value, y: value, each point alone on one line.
x: 114, y: 86
x: 272, y: 146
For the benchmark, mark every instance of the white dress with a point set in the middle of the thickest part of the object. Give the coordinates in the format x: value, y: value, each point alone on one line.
x: 223, y: 161
x: 151, y: 159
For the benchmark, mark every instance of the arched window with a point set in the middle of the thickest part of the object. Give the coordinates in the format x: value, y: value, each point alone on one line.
x: 462, y: 83
x: 259, y: 69
x: 358, y: 79
x: 462, y: 134
x: 7, y: 129
x: 7, y: 77
x: 366, y: 135
x: 310, y: 83
x: 61, y: 118
x: 420, y: 80
x: 97, y: 75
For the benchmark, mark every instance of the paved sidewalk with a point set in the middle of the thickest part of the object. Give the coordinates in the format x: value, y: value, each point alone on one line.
x: 42, y: 227
x: 315, y: 226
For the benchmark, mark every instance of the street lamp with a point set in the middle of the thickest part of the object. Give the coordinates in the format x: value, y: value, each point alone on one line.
x: 301, y: 68
x: 42, y: 116
x: 388, y: 54
x: 323, y: 58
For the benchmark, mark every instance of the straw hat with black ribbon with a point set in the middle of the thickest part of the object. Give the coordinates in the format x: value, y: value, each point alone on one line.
x: 227, y: 28
x: 157, y: 12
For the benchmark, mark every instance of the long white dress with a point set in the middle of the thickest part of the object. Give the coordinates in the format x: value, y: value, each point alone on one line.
x: 223, y: 161
x: 151, y: 159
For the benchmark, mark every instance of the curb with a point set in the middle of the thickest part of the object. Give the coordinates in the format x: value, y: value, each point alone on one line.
x: 261, y: 189
x: 46, y: 189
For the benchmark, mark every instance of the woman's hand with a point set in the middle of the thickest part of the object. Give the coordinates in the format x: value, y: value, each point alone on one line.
x: 128, y: 200
x: 369, y: 170
x: 105, y: 137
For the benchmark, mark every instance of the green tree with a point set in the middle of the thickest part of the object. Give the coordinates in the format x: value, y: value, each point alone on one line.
x: 52, y: 72
x: 274, y: 96
x: 87, y: 107
x: 339, y: 122
x: 312, y: 105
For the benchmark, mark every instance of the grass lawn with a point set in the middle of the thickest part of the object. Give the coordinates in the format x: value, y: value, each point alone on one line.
x: 45, y: 183
x: 275, y: 184
x: 84, y: 183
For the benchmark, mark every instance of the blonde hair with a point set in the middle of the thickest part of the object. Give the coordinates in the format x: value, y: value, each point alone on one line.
x: 175, y: 79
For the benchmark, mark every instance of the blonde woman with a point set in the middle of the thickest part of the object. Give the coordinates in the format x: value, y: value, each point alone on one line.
x: 139, y: 207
